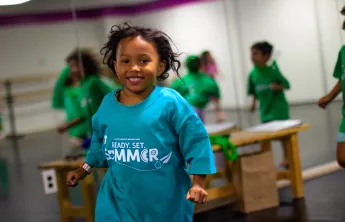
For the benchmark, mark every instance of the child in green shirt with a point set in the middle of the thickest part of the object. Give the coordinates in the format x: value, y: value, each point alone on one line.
x: 339, y: 74
x: 82, y: 95
x: 58, y: 92
x: 198, y: 88
x: 267, y: 84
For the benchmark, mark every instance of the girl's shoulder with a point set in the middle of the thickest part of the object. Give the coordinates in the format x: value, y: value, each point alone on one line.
x: 168, y: 93
x: 170, y: 98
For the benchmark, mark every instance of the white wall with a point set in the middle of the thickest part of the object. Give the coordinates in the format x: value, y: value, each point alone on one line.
x: 307, y: 39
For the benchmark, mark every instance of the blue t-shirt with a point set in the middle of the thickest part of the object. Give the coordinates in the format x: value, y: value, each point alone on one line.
x: 149, y: 148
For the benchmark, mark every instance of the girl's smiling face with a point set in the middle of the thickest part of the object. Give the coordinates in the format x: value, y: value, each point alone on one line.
x: 137, y: 64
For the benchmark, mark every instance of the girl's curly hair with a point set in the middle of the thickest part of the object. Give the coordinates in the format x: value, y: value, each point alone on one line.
x: 158, y: 38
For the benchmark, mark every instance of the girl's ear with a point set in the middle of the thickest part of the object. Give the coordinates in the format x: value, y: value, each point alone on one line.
x: 161, y: 67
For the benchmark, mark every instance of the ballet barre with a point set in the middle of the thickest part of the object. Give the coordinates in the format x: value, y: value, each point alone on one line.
x: 9, y: 98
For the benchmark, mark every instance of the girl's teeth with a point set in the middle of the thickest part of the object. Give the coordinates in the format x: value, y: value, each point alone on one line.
x: 135, y: 80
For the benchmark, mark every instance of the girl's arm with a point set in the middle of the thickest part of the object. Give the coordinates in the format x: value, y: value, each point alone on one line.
x: 70, y: 124
x: 95, y: 157
x: 217, y: 105
x: 58, y: 92
x: 251, y: 92
x: 194, y: 142
x: 324, y: 101
x: 199, y: 180
x: 335, y: 91
x: 253, y: 104
x: 282, y: 83
x: 220, y: 116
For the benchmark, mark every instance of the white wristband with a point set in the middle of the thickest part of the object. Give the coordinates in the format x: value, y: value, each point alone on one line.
x: 87, y: 167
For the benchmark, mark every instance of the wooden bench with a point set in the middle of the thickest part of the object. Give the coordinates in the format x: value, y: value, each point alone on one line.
x: 223, y: 195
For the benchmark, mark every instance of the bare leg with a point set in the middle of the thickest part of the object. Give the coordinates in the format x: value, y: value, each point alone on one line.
x: 341, y: 154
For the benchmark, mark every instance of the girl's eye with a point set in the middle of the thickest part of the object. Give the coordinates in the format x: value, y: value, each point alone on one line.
x: 144, y: 61
x: 126, y: 61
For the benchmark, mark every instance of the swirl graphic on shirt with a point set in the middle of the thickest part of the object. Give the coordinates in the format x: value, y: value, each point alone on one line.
x: 134, y: 154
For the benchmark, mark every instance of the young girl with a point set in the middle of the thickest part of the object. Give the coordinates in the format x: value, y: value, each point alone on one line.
x: 147, y: 135
x: 267, y: 84
x: 198, y: 88
x: 208, y: 65
x: 339, y: 74
x: 82, y: 96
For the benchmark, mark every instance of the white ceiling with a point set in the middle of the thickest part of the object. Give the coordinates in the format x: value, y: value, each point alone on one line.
x: 63, y: 5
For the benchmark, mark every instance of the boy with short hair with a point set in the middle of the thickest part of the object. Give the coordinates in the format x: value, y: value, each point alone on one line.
x: 267, y: 84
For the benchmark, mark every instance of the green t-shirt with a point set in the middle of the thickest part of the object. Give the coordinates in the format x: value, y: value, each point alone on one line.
x: 58, y: 93
x: 273, y: 105
x: 197, y: 89
x: 94, y: 89
x: 83, y: 102
x: 339, y: 73
x: 72, y: 100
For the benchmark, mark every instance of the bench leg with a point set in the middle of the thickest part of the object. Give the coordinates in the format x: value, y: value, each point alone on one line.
x: 89, y: 200
x: 295, y: 166
x: 63, y: 195
x: 265, y: 146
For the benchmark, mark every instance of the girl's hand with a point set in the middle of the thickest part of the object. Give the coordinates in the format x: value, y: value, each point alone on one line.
x: 323, y: 102
x: 252, y: 108
x: 277, y: 87
x: 197, y: 194
x: 61, y: 129
x: 73, y: 177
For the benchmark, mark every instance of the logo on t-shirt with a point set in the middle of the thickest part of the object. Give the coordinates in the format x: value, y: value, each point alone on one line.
x: 105, y: 139
x: 191, y: 89
x: 85, y: 101
x: 134, y: 154
x: 262, y: 87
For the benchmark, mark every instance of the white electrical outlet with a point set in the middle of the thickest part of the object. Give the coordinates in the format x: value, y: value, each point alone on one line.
x: 49, y: 181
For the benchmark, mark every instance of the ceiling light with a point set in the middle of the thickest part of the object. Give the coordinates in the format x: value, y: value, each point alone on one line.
x: 12, y: 2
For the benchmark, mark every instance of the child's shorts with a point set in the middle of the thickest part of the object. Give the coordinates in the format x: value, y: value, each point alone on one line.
x: 341, y: 137
x: 341, y: 133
